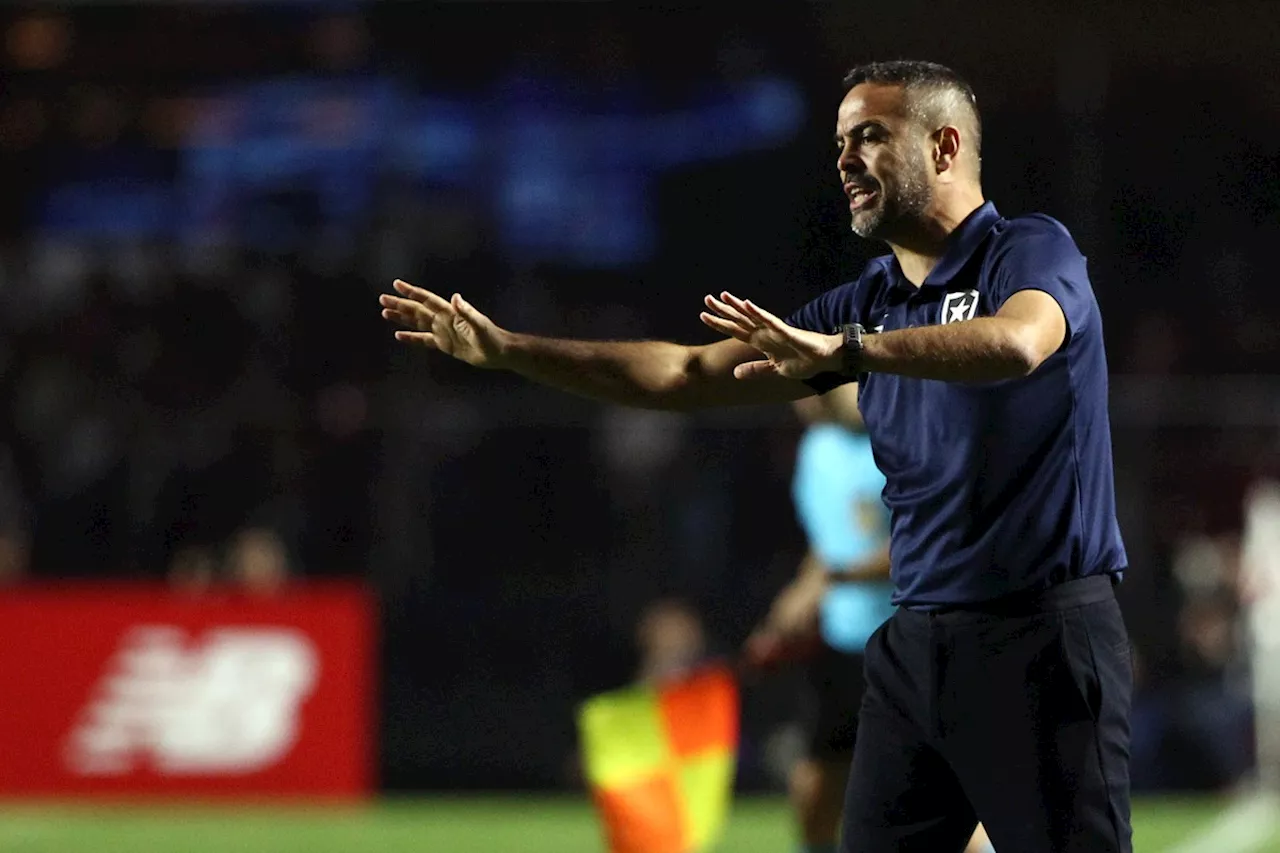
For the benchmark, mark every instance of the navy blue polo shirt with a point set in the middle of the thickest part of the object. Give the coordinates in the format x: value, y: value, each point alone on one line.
x: 998, y: 487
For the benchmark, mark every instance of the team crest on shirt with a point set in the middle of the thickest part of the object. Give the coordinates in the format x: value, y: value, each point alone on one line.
x: 959, y: 305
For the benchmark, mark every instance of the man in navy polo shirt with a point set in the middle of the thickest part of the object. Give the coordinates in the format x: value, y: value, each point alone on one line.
x: 999, y: 690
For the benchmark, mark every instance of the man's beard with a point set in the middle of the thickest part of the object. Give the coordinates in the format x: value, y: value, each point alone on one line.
x: 907, y: 205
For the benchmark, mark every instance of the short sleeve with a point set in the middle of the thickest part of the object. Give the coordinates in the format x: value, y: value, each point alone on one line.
x: 826, y: 315
x: 1044, y: 257
x: 828, y: 312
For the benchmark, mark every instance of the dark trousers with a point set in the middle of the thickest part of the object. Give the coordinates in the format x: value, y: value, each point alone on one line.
x: 1016, y: 714
x: 831, y: 708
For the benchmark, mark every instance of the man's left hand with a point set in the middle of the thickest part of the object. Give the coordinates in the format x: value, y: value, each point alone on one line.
x: 789, y: 352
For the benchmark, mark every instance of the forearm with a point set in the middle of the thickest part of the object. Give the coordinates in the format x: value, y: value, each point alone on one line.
x: 647, y: 374
x: 875, y: 567
x: 985, y: 349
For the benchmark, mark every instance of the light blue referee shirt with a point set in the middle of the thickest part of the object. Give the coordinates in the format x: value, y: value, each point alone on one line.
x: 837, y: 493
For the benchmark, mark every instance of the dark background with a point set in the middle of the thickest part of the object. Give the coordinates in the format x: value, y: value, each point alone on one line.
x: 201, y: 203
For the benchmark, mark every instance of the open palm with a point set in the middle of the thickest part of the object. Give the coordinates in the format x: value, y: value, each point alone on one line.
x: 790, y: 352
x: 452, y: 326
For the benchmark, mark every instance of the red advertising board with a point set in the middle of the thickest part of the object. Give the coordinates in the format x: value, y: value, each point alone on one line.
x: 137, y: 690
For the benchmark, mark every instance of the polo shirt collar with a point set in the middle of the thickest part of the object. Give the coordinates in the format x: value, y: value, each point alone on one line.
x: 962, y: 243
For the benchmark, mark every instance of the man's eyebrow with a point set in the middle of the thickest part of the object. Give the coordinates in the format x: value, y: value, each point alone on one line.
x: 857, y: 129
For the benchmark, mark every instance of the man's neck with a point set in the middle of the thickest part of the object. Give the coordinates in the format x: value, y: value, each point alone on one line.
x: 919, y: 251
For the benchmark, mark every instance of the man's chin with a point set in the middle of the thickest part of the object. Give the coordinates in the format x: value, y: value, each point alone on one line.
x: 866, y: 226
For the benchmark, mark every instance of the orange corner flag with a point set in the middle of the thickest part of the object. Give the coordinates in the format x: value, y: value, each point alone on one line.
x: 660, y: 761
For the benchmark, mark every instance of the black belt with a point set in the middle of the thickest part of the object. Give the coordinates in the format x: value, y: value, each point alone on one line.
x: 1064, y: 596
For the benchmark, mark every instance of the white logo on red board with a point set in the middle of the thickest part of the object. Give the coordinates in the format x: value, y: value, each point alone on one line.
x: 227, y: 704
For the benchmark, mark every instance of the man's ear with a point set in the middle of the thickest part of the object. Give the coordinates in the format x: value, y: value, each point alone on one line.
x: 946, y: 148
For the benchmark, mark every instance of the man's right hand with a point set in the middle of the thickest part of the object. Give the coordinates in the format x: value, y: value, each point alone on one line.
x: 453, y: 326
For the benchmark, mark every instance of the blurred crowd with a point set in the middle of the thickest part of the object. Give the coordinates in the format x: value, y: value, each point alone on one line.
x: 153, y: 410
x: 222, y: 404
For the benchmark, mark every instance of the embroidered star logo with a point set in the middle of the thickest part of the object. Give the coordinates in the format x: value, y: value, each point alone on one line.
x: 959, y: 305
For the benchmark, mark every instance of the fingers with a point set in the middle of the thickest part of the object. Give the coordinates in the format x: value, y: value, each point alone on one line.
x: 755, y: 315
x: 410, y: 312
x: 727, y: 320
x: 418, y: 294
x: 755, y: 369
x: 727, y: 310
x: 399, y: 317
x: 425, y: 339
x: 421, y: 309
x: 745, y: 311
x: 759, y: 314
x: 726, y: 327
x: 740, y: 304
x: 468, y: 311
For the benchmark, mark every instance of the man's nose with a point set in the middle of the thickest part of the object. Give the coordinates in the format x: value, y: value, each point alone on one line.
x: 850, y: 163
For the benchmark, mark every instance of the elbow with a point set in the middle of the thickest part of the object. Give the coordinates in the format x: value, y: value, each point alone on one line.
x: 1023, y: 353
x: 1025, y: 361
x: 682, y: 385
x: 671, y: 388
x: 677, y: 395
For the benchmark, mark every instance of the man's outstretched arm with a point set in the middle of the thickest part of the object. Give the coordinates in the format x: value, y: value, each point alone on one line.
x: 646, y: 374
x: 1026, y: 330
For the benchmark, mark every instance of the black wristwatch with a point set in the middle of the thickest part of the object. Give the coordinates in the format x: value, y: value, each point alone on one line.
x: 851, y: 349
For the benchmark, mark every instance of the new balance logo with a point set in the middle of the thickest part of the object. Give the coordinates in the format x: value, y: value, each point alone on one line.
x: 227, y: 705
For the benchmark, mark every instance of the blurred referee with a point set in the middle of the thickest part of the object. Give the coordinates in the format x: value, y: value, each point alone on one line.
x: 1000, y: 687
x: 839, y: 597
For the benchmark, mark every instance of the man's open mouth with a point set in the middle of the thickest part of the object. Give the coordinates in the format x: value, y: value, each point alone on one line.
x: 860, y: 198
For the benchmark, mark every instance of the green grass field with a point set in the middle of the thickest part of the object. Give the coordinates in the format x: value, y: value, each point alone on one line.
x: 443, y: 825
